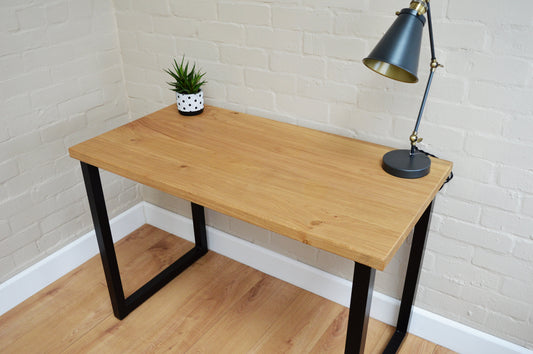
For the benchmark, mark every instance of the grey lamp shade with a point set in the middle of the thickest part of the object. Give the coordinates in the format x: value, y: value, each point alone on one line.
x: 397, y: 53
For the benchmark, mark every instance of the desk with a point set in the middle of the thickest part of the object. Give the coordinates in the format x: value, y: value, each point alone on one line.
x: 318, y: 188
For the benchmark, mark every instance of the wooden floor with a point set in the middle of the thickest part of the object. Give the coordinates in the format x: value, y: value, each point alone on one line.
x: 216, y: 306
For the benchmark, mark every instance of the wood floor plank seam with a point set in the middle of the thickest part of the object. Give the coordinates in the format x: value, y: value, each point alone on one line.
x: 216, y: 306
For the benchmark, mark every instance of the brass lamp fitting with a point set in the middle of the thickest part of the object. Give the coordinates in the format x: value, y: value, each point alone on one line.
x: 414, y: 139
x: 420, y: 6
x: 435, y: 64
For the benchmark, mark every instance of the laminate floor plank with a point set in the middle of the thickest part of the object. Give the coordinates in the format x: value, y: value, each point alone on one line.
x: 74, y: 304
x: 205, y: 310
x: 292, y: 332
x: 442, y: 350
x: 145, y: 253
x: 416, y: 345
x: 216, y: 306
x: 334, y: 338
x: 141, y: 329
x: 246, y: 322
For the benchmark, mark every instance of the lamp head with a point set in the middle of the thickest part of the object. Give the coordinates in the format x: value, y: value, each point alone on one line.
x: 397, y: 53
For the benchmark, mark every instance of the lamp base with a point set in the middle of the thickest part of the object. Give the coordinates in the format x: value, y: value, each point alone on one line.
x: 401, y: 163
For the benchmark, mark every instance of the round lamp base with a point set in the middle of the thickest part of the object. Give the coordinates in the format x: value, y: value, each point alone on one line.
x: 401, y: 163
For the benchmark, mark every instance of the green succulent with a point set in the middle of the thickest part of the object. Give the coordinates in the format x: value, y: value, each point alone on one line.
x: 185, y: 81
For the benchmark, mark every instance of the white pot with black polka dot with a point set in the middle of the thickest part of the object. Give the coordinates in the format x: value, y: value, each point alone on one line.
x: 190, y: 104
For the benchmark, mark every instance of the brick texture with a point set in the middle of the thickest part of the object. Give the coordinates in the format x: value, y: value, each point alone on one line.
x: 60, y: 62
x: 300, y: 62
x: 61, y: 81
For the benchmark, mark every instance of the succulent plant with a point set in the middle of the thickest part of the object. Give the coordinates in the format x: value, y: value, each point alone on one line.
x: 187, y: 80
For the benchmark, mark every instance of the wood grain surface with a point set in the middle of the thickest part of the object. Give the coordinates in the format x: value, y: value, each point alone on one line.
x: 216, y: 306
x: 322, y: 189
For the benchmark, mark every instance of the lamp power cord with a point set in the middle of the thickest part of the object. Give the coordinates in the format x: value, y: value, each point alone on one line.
x: 449, y: 178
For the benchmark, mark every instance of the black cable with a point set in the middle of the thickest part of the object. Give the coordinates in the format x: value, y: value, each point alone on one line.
x: 449, y: 178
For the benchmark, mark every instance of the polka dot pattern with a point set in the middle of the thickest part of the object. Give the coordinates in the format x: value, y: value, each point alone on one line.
x: 190, y: 103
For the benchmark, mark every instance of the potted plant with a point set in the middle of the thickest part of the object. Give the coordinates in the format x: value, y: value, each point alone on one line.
x: 187, y: 84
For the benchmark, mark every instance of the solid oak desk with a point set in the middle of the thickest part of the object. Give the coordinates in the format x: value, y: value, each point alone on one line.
x: 321, y: 189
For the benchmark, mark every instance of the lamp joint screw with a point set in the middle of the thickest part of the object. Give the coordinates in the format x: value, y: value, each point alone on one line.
x: 414, y: 139
x: 435, y: 64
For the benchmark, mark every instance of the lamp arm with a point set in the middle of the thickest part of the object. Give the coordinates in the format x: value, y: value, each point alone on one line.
x: 414, y: 136
x: 434, y: 65
x: 430, y: 28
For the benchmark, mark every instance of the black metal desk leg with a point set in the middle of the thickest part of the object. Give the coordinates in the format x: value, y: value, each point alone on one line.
x: 363, y: 283
x: 198, y: 219
x: 416, y: 256
x: 123, y: 306
x: 93, y: 185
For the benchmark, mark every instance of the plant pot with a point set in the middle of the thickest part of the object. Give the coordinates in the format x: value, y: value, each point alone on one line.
x: 190, y: 104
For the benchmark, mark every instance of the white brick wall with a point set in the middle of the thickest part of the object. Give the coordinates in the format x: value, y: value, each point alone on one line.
x: 61, y: 82
x: 300, y: 61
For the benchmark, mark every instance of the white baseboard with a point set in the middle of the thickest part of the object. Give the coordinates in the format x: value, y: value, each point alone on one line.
x: 31, y: 280
x: 427, y: 325
x: 432, y: 327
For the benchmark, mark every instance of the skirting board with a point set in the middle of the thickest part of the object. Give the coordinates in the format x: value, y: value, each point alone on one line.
x: 31, y: 280
x: 427, y: 325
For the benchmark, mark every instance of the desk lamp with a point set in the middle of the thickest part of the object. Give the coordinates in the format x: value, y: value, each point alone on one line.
x: 396, y: 57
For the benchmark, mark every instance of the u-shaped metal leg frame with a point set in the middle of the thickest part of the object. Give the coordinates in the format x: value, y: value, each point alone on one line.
x: 363, y: 284
x: 122, y: 306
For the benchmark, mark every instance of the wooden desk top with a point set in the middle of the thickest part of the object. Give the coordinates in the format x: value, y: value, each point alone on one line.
x: 321, y: 189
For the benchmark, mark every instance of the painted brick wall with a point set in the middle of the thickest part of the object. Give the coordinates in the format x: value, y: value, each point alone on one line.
x: 300, y: 61
x: 61, y: 82
x: 64, y: 79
